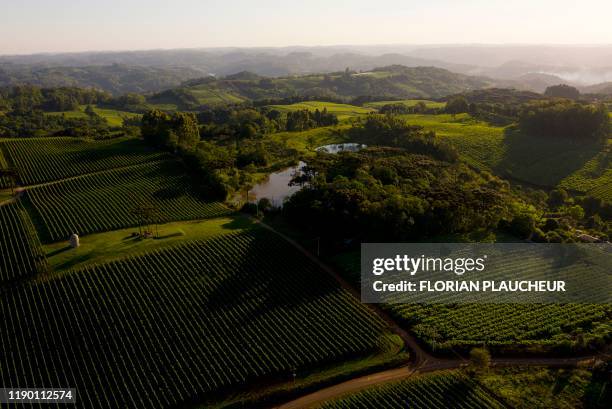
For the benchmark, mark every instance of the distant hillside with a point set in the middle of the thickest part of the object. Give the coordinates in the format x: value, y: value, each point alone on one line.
x: 605, y: 88
x: 117, y: 79
x: 391, y: 82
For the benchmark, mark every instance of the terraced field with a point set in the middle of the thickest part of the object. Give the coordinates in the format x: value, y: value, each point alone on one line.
x: 444, y: 390
x: 20, y: 251
x: 104, y: 201
x: 48, y: 159
x: 165, y: 328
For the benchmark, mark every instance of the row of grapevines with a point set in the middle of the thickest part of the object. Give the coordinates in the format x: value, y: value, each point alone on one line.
x: 104, y: 201
x: 47, y: 159
x: 20, y: 251
x: 165, y: 328
x: 443, y: 390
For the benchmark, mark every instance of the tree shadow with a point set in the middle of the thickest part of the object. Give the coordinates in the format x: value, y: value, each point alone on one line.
x: 282, y: 279
x: 543, y: 161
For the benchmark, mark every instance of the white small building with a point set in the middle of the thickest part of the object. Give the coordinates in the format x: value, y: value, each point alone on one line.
x: 74, y: 240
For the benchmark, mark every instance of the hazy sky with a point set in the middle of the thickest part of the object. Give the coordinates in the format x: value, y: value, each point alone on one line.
x: 28, y: 26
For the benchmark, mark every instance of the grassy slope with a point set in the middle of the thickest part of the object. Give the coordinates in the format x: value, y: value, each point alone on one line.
x: 343, y: 111
x: 103, y: 247
x: 537, y: 161
x: 113, y: 117
x: 407, y: 102
x: 307, y: 141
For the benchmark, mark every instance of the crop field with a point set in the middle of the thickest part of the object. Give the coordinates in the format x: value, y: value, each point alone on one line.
x: 464, y: 325
x: 4, y: 183
x: 104, y: 201
x: 20, y: 251
x: 207, y: 95
x: 342, y: 111
x: 113, y: 117
x: 579, y: 167
x: 444, y: 390
x: 49, y: 159
x: 407, y: 102
x: 167, y: 327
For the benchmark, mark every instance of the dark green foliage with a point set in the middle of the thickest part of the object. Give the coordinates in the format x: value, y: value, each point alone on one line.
x: 457, y: 105
x: 303, y: 120
x: 565, y: 119
x: 562, y: 91
x: 388, y: 194
x: 183, y: 325
x: 179, y: 130
x: 387, y: 130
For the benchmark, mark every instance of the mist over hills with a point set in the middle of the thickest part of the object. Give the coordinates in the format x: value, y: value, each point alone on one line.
x: 523, y: 67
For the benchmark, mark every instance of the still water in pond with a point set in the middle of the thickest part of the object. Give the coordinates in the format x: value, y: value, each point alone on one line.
x: 276, y: 187
x: 341, y: 147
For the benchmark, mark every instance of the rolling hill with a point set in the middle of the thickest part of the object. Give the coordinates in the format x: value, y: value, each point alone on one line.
x: 392, y: 82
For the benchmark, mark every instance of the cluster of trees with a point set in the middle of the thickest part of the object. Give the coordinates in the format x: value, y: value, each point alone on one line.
x: 179, y: 130
x: 401, y: 109
x: 24, y: 112
x: 562, y: 91
x: 39, y: 124
x: 28, y: 98
x: 565, y: 119
x: 390, y: 194
x: 392, y: 131
x: 243, y: 122
x: 305, y: 119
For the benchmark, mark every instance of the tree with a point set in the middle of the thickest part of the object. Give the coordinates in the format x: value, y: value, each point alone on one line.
x: 480, y: 358
x: 11, y: 175
x: 457, y: 105
x: 90, y: 111
x: 185, y: 126
x: 179, y: 130
x: 562, y: 91
x: 155, y: 127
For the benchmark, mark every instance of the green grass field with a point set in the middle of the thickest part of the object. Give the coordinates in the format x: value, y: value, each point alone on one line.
x: 307, y: 141
x: 107, y: 246
x: 407, y: 102
x: 113, y: 117
x: 342, y: 111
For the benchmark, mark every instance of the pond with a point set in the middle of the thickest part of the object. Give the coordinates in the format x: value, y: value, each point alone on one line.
x: 341, y: 147
x: 276, y: 187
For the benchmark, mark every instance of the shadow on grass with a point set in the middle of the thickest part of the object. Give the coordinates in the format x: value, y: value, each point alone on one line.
x: 543, y: 161
x: 58, y: 251
x: 167, y: 236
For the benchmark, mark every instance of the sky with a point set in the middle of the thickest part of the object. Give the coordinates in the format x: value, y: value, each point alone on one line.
x: 32, y: 26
